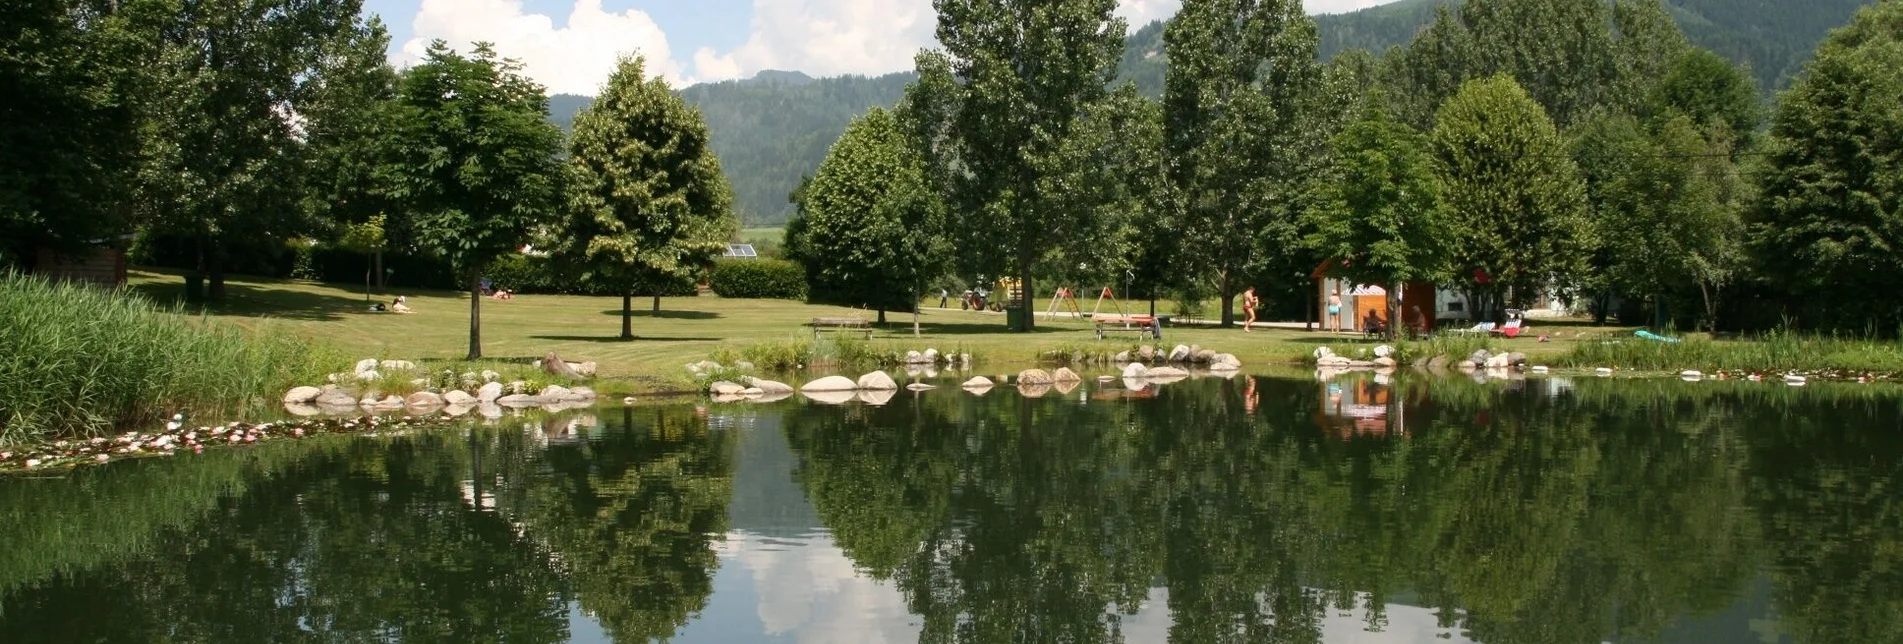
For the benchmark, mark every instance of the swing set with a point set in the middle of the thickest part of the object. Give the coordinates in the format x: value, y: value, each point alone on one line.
x: 1065, y: 301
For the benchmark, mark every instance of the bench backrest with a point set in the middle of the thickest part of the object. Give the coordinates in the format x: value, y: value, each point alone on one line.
x: 841, y: 322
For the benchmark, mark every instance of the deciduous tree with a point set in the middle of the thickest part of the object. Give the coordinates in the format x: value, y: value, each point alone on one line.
x: 650, y: 206
x: 1829, y: 221
x: 1029, y: 70
x: 871, y: 230
x: 1245, y: 129
x: 1516, y: 196
x: 478, y: 159
x: 1385, y: 218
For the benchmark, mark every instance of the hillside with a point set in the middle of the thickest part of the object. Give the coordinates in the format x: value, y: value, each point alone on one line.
x: 772, y: 129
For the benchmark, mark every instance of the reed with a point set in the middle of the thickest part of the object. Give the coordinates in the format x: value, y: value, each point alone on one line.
x: 78, y: 360
x: 1773, y: 351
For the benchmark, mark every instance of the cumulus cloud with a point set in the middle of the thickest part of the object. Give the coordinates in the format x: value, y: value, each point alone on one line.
x: 574, y: 59
x: 818, y: 37
x: 825, y: 38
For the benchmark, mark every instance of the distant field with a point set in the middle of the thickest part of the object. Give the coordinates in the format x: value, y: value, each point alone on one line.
x: 772, y: 235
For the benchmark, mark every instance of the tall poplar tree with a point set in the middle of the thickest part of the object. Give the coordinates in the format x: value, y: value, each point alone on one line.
x: 870, y: 230
x: 650, y: 206
x: 1244, y: 130
x: 477, y: 159
x: 1029, y: 70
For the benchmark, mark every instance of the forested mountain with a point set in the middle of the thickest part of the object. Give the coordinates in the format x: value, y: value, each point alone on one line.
x: 772, y: 129
x: 1774, y: 37
x: 775, y: 127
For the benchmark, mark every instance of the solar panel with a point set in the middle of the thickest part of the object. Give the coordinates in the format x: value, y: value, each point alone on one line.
x: 741, y: 250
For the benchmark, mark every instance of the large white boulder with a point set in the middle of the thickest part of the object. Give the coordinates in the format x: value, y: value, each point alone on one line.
x: 366, y: 364
x: 1135, y: 370
x: 724, y: 388
x: 831, y: 383
x: 1179, y: 354
x: 302, y: 395
x: 1225, y: 362
x: 489, y: 392
x: 458, y: 397
x: 770, y: 386
x: 334, y: 396
x: 423, y: 399
x: 877, y: 381
x: 1064, y: 374
x: 1034, y: 377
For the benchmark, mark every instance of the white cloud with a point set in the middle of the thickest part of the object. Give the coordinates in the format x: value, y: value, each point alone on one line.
x: 826, y: 38
x: 573, y: 59
x: 818, y: 37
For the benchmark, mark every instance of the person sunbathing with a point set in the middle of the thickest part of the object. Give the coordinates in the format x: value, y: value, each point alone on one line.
x: 399, y: 306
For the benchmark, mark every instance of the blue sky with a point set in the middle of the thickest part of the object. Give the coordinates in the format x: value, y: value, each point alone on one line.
x: 571, y: 46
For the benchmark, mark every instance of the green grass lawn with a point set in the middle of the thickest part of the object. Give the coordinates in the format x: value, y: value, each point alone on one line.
x: 771, y: 234
x: 687, y: 329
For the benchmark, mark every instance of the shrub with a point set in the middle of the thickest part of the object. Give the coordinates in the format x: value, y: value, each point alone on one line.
x: 77, y: 359
x: 759, y: 278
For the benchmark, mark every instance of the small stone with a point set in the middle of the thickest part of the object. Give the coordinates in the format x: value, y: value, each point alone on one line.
x: 978, y: 383
x: 365, y: 365
x: 769, y: 386
x: 919, y: 386
x: 1384, y: 361
x: 397, y: 365
x: 302, y: 395
x: 1204, y: 356
x: 724, y: 388
x: 423, y: 399
x: 1383, y: 351
x: 489, y: 392
x: 1135, y: 370
x: 1466, y: 365
x: 1179, y: 354
x: 1167, y: 372
x: 490, y: 376
x: 552, y: 393
x: 1146, y: 353
x: 579, y: 394
x: 1121, y: 357
x: 333, y: 396
x: 458, y: 397
x: 585, y: 369
x: 1064, y: 374
x: 753, y: 392
x: 370, y: 376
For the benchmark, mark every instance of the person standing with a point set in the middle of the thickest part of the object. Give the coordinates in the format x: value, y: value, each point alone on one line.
x: 1249, y: 304
x: 1334, y: 309
x: 944, y: 297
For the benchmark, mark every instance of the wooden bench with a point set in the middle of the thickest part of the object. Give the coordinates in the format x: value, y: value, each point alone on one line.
x: 1141, y: 326
x: 842, y: 325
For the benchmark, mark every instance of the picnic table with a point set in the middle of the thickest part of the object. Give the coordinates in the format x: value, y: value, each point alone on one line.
x: 1140, y: 325
x: 842, y: 325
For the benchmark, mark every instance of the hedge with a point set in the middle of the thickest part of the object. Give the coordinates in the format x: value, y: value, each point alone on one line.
x: 759, y: 279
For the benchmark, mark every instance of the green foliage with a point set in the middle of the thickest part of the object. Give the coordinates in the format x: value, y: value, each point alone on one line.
x: 1774, y: 351
x: 872, y: 232
x: 759, y: 278
x: 1247, y: 124
x: 1013, y: 118
x: 476, y: 160
x: 650, y: 205
x: 1830, y: 218
x: 1385, y: 216
x: 77, y: 361
x: 1516, y: 197
x: 69, y: 141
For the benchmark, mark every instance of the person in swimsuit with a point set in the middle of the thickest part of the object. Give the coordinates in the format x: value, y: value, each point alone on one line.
x: 399, y: 306
x: 1334, y: 310
x: 1249, y: 304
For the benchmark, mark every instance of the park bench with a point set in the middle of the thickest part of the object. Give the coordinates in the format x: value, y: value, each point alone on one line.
x: 1141, y: 326
x: 842, y: 325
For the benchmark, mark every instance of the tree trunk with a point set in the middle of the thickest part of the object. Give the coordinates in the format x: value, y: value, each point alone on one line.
x: 657, y: 302
x: 376, y: 266
x: 1025, y: 296
x: 215, y: 280
x: 627, y: 316
x: 881, y: 317
x: 915, y: 308
x: 1228, y: 301
x: 475, y: 314
x: 1394, y: 311
x: 1711, y: 307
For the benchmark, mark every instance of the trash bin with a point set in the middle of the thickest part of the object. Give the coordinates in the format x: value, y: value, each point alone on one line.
x: 194, y: 288
x: 1014, y: 316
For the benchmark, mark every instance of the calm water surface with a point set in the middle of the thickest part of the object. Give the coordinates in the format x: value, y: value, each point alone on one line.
x: 1246, y: 510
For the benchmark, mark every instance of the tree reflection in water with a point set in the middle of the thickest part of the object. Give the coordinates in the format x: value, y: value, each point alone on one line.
x: 1249, y: 509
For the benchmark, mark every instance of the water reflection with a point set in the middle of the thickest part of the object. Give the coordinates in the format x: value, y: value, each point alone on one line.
x: 1355, y: 509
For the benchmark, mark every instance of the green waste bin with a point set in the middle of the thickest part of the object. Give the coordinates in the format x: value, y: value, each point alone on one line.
x: 1014, y: 317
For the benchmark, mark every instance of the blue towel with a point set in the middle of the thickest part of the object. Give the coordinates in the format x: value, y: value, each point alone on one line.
x: 1648, y: 335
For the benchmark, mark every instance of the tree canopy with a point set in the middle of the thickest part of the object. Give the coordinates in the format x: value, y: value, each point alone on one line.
x: 649, y: 205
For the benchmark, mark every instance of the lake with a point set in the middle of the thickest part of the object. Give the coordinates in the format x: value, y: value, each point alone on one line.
x: 1271, y: 509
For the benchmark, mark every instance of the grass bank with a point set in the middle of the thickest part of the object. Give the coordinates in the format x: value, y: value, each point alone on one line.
x: 1779, y: 351
x: 79, y: 360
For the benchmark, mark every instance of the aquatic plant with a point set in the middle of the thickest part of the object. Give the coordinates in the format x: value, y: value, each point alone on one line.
x: 79, y: 360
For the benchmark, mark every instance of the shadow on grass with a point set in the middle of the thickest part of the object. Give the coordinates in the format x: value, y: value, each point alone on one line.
x: 667, y: 315
x: 253, y: 300
x: 957, y: 328
x: 617, y: 338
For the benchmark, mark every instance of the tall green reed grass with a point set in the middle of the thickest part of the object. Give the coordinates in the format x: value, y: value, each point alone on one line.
x: 1774, y: 351
x: 78, y: 360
